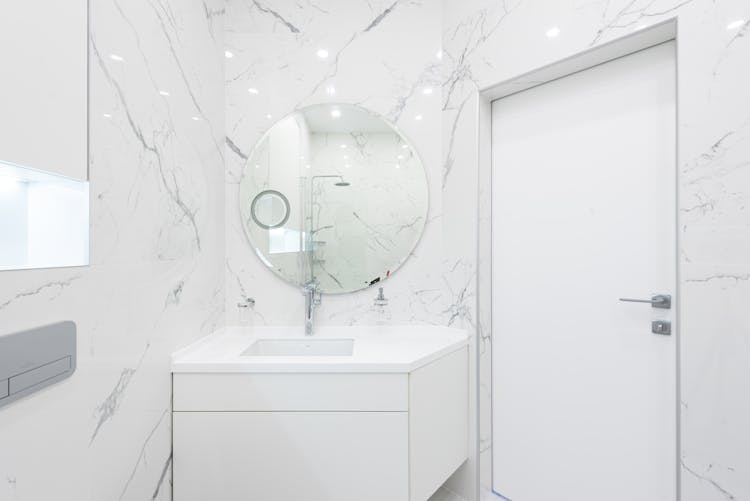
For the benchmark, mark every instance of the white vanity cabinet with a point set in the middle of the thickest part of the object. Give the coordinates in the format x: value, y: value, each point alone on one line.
x: 320, y: 436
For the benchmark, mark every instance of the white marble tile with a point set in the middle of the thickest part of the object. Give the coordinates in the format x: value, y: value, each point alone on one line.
x: 381, y: 56
x: 160, y: 210
x: 378, y: 60
x: 157, y: 247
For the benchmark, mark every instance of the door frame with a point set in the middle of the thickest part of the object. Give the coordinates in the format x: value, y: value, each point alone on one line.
x: 656, y: 34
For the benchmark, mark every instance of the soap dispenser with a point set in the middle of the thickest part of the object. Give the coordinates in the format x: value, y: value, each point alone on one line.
x: 380, y: 307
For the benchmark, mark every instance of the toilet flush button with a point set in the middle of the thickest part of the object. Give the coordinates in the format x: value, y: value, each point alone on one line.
x: 38, y: 375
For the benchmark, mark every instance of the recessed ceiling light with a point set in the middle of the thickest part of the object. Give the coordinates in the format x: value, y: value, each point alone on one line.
x: 322, y: 53
x: 195, y: 118
x: 163, y: 92
x: 398, y: 166
x: 335, y: 113
x: 307, y: 166
x: 404, y: 146
x: 553, y: 32
x: 418, y: 117
x: 400, y: 157
x: 269, y: 116
x: 228, y: 54
x: 342, y: 146
x: 257, y: 166
x: 439, y: 54
x: 735, y: 24
x: 106, y: 115
x: 427, y: 91
x: 252, y: 90
x: 115, y: 57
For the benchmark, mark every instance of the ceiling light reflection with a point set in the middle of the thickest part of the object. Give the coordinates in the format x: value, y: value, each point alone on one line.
x: 735, y: 24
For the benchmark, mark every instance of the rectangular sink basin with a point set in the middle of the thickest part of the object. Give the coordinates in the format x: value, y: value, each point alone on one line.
x: 300, y: 348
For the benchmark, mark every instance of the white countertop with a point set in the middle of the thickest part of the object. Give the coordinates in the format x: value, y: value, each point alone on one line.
x: 376, y: 349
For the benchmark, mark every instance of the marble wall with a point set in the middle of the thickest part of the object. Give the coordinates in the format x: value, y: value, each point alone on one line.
x: 156, y: 277
x: 385, y: 56
x: 382, y: 55
x: 164, y: 268
x: 486, y: 42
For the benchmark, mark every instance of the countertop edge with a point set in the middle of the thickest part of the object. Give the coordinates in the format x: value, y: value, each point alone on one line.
x: 308, y: 367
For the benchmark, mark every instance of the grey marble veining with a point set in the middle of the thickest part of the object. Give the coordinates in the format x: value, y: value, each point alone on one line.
x: 109, y: 406
x: 164, y: 417
x: 56, y: 286
x: 376, y: 59
x: 157, y: 249
x: 383, y: 55
x: 169, y: 255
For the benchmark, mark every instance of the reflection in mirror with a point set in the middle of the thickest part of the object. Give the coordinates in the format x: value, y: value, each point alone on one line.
x: 270, y: 209
x: 333, y: 193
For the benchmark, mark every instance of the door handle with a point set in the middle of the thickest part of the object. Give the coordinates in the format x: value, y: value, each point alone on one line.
x: 663, y: 301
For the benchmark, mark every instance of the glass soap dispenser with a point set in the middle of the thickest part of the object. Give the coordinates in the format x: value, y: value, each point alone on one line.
x: 380, y: 307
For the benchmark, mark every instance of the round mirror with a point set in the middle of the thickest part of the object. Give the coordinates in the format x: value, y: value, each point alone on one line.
x: 333, y: 193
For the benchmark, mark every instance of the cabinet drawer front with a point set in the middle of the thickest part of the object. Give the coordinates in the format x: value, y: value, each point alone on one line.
x: 286, y: 456
x: 291, y: 392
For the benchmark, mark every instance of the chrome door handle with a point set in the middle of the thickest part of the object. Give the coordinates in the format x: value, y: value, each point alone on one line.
x: 663, y: 301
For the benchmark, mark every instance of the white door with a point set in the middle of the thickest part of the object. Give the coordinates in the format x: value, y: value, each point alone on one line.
x: 584, y: 394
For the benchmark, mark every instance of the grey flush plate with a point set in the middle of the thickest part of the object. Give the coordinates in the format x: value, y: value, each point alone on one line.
x: 36, y: 358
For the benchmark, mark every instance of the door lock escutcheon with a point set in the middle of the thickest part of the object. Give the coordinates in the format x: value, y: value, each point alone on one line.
x: 661, y: 327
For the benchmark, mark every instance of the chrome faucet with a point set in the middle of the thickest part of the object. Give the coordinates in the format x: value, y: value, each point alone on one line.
x: 380, y: 300
x: 312, y: 301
